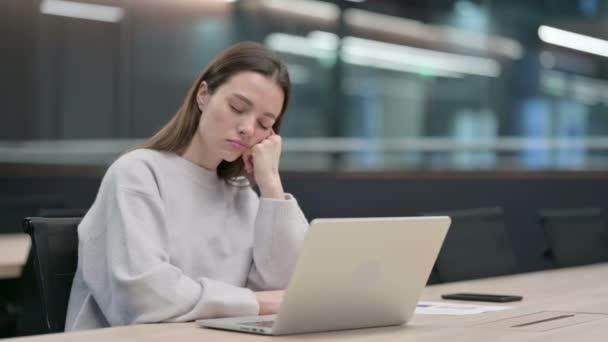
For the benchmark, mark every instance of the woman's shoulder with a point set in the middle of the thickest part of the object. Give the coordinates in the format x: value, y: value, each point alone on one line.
x: 141, y: 157
x: 138, y: 165
x: 145, y: 155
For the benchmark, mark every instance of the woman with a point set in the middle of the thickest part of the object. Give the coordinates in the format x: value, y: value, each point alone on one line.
x: 176, y: 232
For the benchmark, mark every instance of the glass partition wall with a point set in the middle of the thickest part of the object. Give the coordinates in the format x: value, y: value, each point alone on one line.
x: 377, y: 84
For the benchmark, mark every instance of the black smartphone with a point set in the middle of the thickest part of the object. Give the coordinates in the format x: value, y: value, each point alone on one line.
x: 483, y: 297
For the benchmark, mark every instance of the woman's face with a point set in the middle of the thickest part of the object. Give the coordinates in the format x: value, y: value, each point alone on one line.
x: 237, y: 116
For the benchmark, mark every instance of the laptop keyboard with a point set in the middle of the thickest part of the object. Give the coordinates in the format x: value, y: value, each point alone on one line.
x: 264, y: 324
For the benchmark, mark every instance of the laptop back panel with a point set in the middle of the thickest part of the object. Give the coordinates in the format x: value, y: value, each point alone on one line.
x: 360, y: 272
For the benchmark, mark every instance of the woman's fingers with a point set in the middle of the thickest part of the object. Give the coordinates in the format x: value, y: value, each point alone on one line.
x: 272, y: 132
x: 262, y: 149
x: 248, y: 161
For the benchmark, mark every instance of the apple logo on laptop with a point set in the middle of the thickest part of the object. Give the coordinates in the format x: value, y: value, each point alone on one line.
x: 367, y: 274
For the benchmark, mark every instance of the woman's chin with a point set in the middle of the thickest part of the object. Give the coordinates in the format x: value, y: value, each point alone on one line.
x: 232, y: 158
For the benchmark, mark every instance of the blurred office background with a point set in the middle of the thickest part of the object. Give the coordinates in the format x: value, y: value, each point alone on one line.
x: 378, y: 84
x: 493, y: 112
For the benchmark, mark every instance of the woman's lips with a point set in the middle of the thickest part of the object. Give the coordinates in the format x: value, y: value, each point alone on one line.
x: 238, y: 145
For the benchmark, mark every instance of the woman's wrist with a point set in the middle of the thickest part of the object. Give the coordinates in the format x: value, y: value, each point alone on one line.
x: 272, y: 189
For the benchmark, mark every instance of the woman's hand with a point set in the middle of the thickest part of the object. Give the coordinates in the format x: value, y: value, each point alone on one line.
x: 263, y: 161
x: 269, y: 301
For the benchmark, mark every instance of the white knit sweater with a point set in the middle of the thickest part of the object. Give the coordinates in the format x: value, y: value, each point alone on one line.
x: 168, y: 241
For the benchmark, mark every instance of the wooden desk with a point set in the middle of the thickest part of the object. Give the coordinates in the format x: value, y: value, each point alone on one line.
x: 581, y: 289
x: 14, y: 249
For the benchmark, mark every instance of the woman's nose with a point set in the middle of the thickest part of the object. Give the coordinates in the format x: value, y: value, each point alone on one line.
x: 246, y: 127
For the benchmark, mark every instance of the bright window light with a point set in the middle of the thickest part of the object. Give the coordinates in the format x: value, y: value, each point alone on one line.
x: 573, y: 40
x: 417, y: 30
x: 365, y: 52
x: 420, y: 58
x: 82, y: 10
x: 325, y: 11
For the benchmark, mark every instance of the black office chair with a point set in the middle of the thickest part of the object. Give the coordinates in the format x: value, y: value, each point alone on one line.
x: 477, y: 246
x: 575, y: 236
x: 54, y: 258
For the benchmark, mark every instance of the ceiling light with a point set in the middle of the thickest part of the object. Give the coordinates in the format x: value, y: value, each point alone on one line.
x: 573, y: 40
x: 82, y: 10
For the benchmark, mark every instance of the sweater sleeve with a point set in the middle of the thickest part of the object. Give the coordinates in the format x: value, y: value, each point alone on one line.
x: 128, y: 269
x: 280, y: 227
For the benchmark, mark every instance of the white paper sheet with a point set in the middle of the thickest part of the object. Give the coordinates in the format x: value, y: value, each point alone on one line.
x: 441, y: 308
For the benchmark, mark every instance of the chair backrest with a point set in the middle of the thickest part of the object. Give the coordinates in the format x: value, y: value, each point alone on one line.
x: 477, y: 246
x: 575, y: 236
x: 54, y: 256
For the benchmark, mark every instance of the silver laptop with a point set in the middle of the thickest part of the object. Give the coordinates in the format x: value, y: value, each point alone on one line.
x: 352, y: 273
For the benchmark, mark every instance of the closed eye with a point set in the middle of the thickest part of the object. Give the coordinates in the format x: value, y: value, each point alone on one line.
x: 236, y: 110
x: 262, y: 126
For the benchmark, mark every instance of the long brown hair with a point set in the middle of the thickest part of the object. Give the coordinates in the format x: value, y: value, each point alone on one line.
x: 245, y: 56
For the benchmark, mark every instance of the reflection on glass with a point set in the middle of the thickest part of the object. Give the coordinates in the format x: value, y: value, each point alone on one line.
x: 377, y: 85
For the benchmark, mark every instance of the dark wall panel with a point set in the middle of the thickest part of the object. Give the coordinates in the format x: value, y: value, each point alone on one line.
x: 16, y: 60
x: 90, y: 87
x: 344, y: 195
